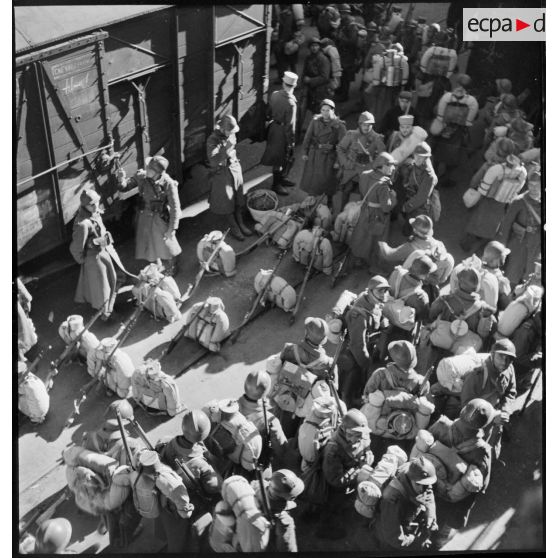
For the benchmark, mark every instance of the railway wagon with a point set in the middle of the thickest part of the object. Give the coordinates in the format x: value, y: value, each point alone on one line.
x: 103, y: 87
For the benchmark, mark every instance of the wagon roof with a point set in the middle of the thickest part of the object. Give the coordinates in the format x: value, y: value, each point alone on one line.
x: 40, y: 25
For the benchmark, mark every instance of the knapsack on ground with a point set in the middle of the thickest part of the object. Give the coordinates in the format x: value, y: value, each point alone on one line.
x: 224, y: 262
x: 345, y: 223
x: 209, y: 324
x: 279, y: 292
x: 68, y: 333
x: 303, y: 246
x: 283, y: 234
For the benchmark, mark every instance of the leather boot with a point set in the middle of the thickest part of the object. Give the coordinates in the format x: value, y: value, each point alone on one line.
x: 241, y: 224
x: 277, y: 186
x: 287, y: 183
x: 235, y: 231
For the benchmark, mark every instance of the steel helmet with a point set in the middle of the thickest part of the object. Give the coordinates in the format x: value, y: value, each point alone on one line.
x: 195, y: 426
x: 53, y: 536
x: 257, y: 384
x: 422, y: 471
x: 355, y: 421
x: 477, y: 413
x: 495, y: 250
x: 504, y: 346
x: 366, y: 118
x: 285, y: 484
x: 126, y: 410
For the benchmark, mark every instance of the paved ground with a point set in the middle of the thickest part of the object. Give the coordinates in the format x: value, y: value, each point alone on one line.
x: 494, y: 523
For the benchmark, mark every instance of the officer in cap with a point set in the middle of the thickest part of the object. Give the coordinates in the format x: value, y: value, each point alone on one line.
x: 347, y: 451
x: 379, y: 199
x: 397, y: 123
x: 53, y: 537
x: 356, y: 153
x: 365, y: 323
x: 279, y: 151
x: 97, y: 283
x: 465, y: 433
x: 256, y: 388
x: 158, y: 214
x: 494, y: 382
x: 407, y: 508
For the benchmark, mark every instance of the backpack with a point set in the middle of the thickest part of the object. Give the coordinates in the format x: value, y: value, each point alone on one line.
x: 303, y: 246
x: 390, y: 66
x: 438, y: 61
x: 519, y: 310
x: 341, y: 307
x: 33, y: 399
x: 505, y: 189
x: 345, y: 223
x: 395, y: 310
x: 119, y: 370
x: 154, y: 389
x: 452, y: 371
x: 488, y: 290
x: 87, y: 342
x: 279, y: 291
x: 322, y: 215
x: 455, y: 113
x: 224, y: 262
x: 146, y: 497
x: 209, y: 324
x: 313, y: 435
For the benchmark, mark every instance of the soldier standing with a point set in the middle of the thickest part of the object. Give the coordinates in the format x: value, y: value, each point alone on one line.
x: 315, y: 78
x: 226, y: 195
x: 159, y: 213
x: 279, y: 150
x: 97, y: 283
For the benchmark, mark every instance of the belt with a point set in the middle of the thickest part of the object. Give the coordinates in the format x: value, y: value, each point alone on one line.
x: 522, y: 230
x: 373, y: 205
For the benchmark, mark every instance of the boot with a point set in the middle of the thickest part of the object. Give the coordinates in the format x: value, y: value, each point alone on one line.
x: 241, y: 224
x: 276, y: 186
x: 287, y: 183
x: 235, y: 231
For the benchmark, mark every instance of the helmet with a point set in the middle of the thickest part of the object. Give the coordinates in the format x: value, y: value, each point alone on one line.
x: 148, y: 458
x: 468, y: 280
x: 495, y: 250
x: 88, y: 196
x: 382, y: 159
x: 285, y: 484
x: 315, y: 330
x: 366, y: 118
x: 422, y: 265
x: 422, y: 226
x: 403, y: 354
x: 464, y: 81
x: 422, y: 471
x: 504, y: 346
x: 377, y: 282
x: 504, y: 84
x: 355, y: 421
x: 157, y: 163
x: 53, y: 536
x: 344, y: 8
x: 195, y: 426
x: 257, y: 384
x: 477, y: 413
x: 423, y: 149
x: 123, y: 405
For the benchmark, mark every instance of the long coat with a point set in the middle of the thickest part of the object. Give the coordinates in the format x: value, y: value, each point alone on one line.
x: 356, y: 153
x: 280, y: 133
x: 320, y: 145
x: 225, y: 175
x: 97, y: 276
x: 419, y: 187
x: 159, y: 214
x: 373, y: 222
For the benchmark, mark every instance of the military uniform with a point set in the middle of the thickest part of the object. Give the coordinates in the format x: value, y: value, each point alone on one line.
x: 317, y: 68
x: 418, y: 189
x: 460, y: 302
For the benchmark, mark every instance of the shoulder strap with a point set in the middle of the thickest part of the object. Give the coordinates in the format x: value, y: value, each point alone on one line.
x: 484, y: 374
x: 305, y: 366
x: 475, y: 307
x: 389, y: 378
x: 532, y: 211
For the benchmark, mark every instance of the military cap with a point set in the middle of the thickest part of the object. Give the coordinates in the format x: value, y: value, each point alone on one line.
x: 464, y: 81
x: 362, y: 33
x: 290, y: 78
x: 314, y: 41
x: 323, y: 406
x: 214, y: 303
x: 74, y: 321
x: 285, y: 484
x: 148, y: 458
x: 108, y: 344
x: 366, y: 118
x: 412, y: 23
x: 384, y: 158
x: 53, y: 536
x: 504, y: 84
x: 229, y: 406
x: 195, y: 426
x: 422, y: 226
x: 257, y: 384
x: 406, y: 119
x: 88, y: 196
x: 406, y: 95
x: 228, y: 123
x: 355, y: 421
x: 423, y: 149
x: 422, y: 471
x: 328, y: 102
x: 315, y: 330
x: 344, y: 8
x: 477, y: 413
x: 422, y: 265
x: 468, y: 280
x: 403, y: 353
x: 157, y: 163
x: 505, y: 347
x: 377, y: 282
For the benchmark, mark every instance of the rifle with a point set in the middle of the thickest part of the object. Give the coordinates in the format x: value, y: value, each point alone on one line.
x: 32, y: 367
x: 340, y: 267
x: 198, y: 489
x: 426, y: 378
x: 124, y: 439
x: 205, y: 265
x: 258, y: 298
x: 174, y: 341
x: 268, y: 234
x: 329, y: 378
x: 306, y: 277
x: 531, y: 390
x: 265, y: 456
x: 265, y: 498
x: 56, y: 364
x: 142, y: 433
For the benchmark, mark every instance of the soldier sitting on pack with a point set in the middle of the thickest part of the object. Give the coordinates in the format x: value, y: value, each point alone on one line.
x: 33, y: 399
x: 394, y: 396
x: 345, y: 454
x: 251, y: 405
x: 53, y: 537
x: 201, y: 480
x: 73, y: 327
x: 26, y: 336
x: 308, y: 362
x: 113, y: 368
x: 365, y: 324
x: 408, y: 508
x: 494, y: 381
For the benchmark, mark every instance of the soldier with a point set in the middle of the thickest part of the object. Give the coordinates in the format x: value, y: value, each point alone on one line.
x: 286, y: 28
x: 226, y: 195
x: 281, y: 490
x: 465, y: 435
x: 494, y: 381
x: 97, y: 283
x: 398, y: 121
x: 493, y: 259
x: 351, y: 42
x: 281, y: 133
x: 520, y: 231
x: 320, y: 151
x: 315, y: 78
x: 356, y: 152
x: 26, y: 336
x: 256, y: 388
x: 378, y: 200
x: 203, y: 483
x: 364, y: 323
x: 406, y: 501
x: 345, y: 454
x: 158, y: 215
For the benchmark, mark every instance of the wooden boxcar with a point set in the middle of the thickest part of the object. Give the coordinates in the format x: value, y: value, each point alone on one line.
x: 92, y: 82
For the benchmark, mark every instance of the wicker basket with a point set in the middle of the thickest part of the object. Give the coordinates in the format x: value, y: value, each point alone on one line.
x: 265, y: 199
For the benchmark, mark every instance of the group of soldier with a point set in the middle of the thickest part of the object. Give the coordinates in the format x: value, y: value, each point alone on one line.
x: 379, y: 427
